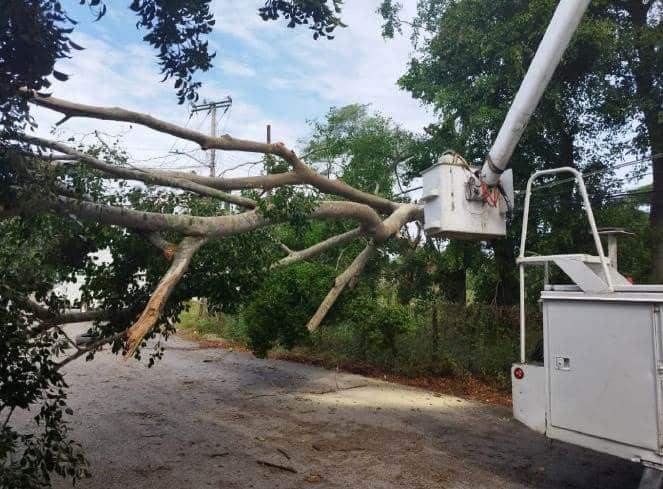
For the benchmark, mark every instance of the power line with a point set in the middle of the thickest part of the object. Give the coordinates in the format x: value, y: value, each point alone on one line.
x: 597, y: 172
x: 211, y: 108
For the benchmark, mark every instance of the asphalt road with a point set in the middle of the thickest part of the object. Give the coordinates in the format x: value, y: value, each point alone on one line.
x: 212, y: 418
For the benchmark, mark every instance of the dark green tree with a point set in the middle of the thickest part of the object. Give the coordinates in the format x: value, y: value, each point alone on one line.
x: 471, y: 57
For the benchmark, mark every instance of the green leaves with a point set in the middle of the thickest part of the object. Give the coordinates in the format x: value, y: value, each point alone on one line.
x: 320, y: 15
x: 288, y: 204
x: 280, y: 309
x: 361, y: 148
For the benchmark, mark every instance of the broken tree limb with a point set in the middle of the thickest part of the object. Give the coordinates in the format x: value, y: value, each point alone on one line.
x: 73, y: 109
x: 45, y: 314
x: 211, y: 227
x: 343, y: 280
x: 180, y: 264
x: 378, y: 218
x: 162, y: 243
x: 317, y: 249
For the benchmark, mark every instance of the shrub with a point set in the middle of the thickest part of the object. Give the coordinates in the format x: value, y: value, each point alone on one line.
x: 280, y: 309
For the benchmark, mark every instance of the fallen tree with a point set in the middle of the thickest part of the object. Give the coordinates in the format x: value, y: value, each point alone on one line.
x: 251, y: 203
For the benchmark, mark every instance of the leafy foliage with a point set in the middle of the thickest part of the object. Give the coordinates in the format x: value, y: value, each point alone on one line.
x: 280, y: 309
x: 362, y: 148
x: 176, y: 30
x: 30, y: 263
x: 322, y: 16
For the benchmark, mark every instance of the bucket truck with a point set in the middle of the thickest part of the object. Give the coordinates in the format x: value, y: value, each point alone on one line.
x: 599, y: 383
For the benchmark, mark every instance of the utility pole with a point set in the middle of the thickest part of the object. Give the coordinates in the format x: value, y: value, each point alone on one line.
x: 269, y: 133
x: 211, y: 108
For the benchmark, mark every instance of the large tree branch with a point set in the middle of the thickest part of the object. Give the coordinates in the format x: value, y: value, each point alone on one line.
x: 302, y: 172
x: 211, y: 227
x: 180, y: 264
x: 154, y: 177
x: 50, y: 319
x: 341, y: 282
x: 56, y: 318
x: 263, y: 182
x: 317, y: 249
x: 359, y: 205
x: 72, y: 109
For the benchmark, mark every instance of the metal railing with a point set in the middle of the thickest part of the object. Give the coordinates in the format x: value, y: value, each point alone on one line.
x: 523, y: 240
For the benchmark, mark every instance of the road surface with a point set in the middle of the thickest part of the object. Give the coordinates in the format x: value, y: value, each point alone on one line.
x: 206, y: 418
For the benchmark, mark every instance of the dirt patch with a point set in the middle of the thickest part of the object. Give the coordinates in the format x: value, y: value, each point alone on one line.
x: 467, y: 387
x: 208, y: 342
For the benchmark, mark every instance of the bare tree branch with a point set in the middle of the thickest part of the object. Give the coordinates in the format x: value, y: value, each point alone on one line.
x: 225, y: 142
x: 211, y: 227
x: 185, y: 252
x: 91, y: 347
x: 317, y: 249
x: 55, y: 318
x: 302, y: 172
x: 148, y: 176
x: 348, y: 276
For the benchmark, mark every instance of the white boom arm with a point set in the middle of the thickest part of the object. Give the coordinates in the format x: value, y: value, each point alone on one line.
x: 557, y: 37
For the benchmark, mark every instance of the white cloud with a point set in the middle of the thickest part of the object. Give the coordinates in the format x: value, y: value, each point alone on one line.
x: 232, y: 67
x: 275, y: 75
x: 356, y: 66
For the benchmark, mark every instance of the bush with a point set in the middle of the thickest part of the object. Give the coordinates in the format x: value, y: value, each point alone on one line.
x: 429, y: 339
x: 417, y: 339
x: 280, y: 309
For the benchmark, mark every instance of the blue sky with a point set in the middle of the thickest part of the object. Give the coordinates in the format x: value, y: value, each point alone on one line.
x: 275, y: 75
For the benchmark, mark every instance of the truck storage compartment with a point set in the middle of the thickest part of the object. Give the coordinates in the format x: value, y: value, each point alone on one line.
x: 602, y: 369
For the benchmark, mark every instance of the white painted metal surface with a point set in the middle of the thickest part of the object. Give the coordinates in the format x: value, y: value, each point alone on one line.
x: 529, y: 396
x: 603, y: 380
x: 601, y: 368
x: 603, y: 354
x: 449, y: 213
x: 548, y: 55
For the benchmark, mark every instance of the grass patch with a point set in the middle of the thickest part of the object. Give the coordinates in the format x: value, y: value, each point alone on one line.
x: 198, y: 323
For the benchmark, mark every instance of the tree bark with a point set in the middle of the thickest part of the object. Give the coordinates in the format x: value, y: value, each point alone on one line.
x: 342, y: 281
x: 317, y: 249
x: 185, y: 251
